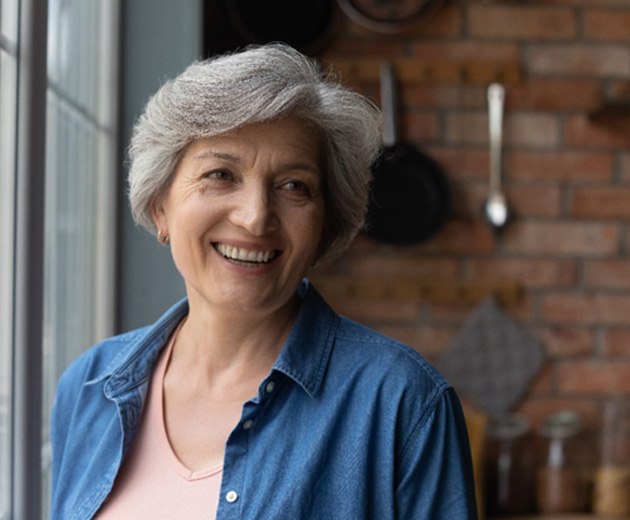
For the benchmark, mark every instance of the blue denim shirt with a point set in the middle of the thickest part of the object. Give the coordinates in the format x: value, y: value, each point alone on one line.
x: 348, y: 425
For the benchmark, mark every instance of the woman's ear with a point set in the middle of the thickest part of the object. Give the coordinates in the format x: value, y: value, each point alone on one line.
x: 158, y: 214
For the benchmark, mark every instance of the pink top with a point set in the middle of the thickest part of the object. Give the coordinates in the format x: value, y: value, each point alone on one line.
x: 153, y: 483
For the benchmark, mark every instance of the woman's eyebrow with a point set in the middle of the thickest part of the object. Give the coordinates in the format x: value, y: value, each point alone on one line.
x: 302, y: 166
x: 210, y: 154
x: 290, y: 166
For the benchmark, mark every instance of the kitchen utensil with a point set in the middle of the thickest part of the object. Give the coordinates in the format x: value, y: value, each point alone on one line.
x: 305, y: 25
x: 495, y: 208
x: 492, y: 360
x: 389, y: 17
x: 409, y: 195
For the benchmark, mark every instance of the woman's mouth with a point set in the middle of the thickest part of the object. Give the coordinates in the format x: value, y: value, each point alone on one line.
x: 246, y: 256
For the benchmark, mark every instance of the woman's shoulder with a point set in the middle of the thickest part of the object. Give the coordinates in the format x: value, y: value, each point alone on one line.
x: 98, y: 360
x: 387, y: 356
x: 110, y: 354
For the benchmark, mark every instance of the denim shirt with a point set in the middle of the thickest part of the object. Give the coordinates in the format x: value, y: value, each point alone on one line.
x: 348, y: 425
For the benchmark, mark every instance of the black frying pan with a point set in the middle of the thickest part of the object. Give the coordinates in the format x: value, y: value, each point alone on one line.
x: 409, y: 195
x: 303, y: 24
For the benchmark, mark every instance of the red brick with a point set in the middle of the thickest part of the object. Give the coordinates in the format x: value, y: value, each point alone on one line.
x: 376, y: 46
x: 594, y: 377
x: 563, y: 342
x: 562, y: 238
x: 524, y: 201
x: 457, y: 311
x: 443, y: 96
x: 462, y: 163
x: 521, y: 22
x: 539, y: 407
x: 401, y: 264
x: 375, y: 311
x: 625, y: 167
x: 466, y: 50
x: 447, y: 22
x: 616, y: 343
x: 598, y: 309
x: 579, y: 60
x: 533, y: 200
x: 560, y: 166
x: 418, y: 127
x: 463, y: 236
x: 556, y: 94
x: 430, y: 341
x: 580, y: 132
x: 453, y: 313
x: 555, y: 160
x: 531, y: 273
x: 467, y: 198
x: 542, y: 383
x: 601, y: 202
x: 607, y: 274
x: 520, y: 129
x: 607, y: 25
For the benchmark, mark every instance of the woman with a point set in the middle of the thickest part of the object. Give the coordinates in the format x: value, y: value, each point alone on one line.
x: 252, y: 399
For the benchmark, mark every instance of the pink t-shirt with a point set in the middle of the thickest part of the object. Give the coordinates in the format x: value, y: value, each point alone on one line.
x: 152, y: 483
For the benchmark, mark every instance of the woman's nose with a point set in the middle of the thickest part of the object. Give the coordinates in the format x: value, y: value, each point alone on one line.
x: 254, y: 211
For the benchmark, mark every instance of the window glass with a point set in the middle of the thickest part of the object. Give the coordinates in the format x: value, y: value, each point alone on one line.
x: 80, y: 187
x: 8, y: 98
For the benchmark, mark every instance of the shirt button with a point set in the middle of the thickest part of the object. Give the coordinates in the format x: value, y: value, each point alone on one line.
x: 231, y: 496
x: 270, y: 387
x: 248, y: 424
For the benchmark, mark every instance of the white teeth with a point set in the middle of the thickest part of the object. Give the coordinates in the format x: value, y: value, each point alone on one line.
x: 244, y: 255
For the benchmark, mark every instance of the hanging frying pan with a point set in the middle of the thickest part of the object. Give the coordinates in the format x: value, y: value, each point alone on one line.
x: 389, y: 17
x: 409, y: 195
x: 304, y: 24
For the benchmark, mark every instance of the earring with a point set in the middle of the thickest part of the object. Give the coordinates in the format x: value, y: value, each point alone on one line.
x: 162, y: 238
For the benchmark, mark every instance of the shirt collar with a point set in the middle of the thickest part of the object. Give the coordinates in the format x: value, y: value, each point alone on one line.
x: 306, y: 352
x: 304, y: 356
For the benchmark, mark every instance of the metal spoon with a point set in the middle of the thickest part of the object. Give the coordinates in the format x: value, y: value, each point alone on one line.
x: 495, y: 208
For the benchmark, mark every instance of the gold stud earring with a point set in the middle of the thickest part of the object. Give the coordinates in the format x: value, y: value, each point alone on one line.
x: 162, y: 238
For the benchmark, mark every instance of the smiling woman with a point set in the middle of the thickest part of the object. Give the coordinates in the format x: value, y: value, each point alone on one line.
x: 252, y: 398
x: 254, y: 192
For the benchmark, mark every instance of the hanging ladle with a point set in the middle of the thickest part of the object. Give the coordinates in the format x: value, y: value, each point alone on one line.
x: 495, y: 208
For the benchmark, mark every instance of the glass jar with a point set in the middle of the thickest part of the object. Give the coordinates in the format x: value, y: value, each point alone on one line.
x: 508, y: 467
x: 611, y: 495
x: 561, y: 483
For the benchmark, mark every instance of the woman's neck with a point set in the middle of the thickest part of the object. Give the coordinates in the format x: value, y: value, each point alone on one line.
x: 216, y: 343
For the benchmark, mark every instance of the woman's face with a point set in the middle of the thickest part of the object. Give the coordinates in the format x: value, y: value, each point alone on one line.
x: 245, y: 215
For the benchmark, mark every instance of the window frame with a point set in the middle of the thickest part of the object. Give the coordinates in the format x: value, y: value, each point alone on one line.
x: 28, y: 269
x: 29, y: 379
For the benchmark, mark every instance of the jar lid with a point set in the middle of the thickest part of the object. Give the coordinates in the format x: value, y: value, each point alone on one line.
x: 508, y: 427
x: 562, y: 424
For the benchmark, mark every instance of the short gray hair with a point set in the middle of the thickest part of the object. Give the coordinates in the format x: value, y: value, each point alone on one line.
x: 258, y: 84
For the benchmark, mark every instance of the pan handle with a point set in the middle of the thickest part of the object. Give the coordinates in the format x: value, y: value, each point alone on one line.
x: 388, y: 103
x: 496, y: 96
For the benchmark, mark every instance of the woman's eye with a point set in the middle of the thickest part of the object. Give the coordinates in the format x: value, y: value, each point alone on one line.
x: 218, y: 175
x: 296, y: 186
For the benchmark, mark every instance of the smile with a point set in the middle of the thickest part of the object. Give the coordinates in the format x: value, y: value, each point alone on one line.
x: 245, y: 255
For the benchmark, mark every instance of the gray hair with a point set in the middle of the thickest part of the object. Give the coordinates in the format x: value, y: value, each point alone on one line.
x: 259, y: 84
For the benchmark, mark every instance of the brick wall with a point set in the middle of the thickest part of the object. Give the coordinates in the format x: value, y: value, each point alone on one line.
x: 567, y: 179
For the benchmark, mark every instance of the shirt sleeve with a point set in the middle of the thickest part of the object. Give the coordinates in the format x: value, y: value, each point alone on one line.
x: 435, y: 469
